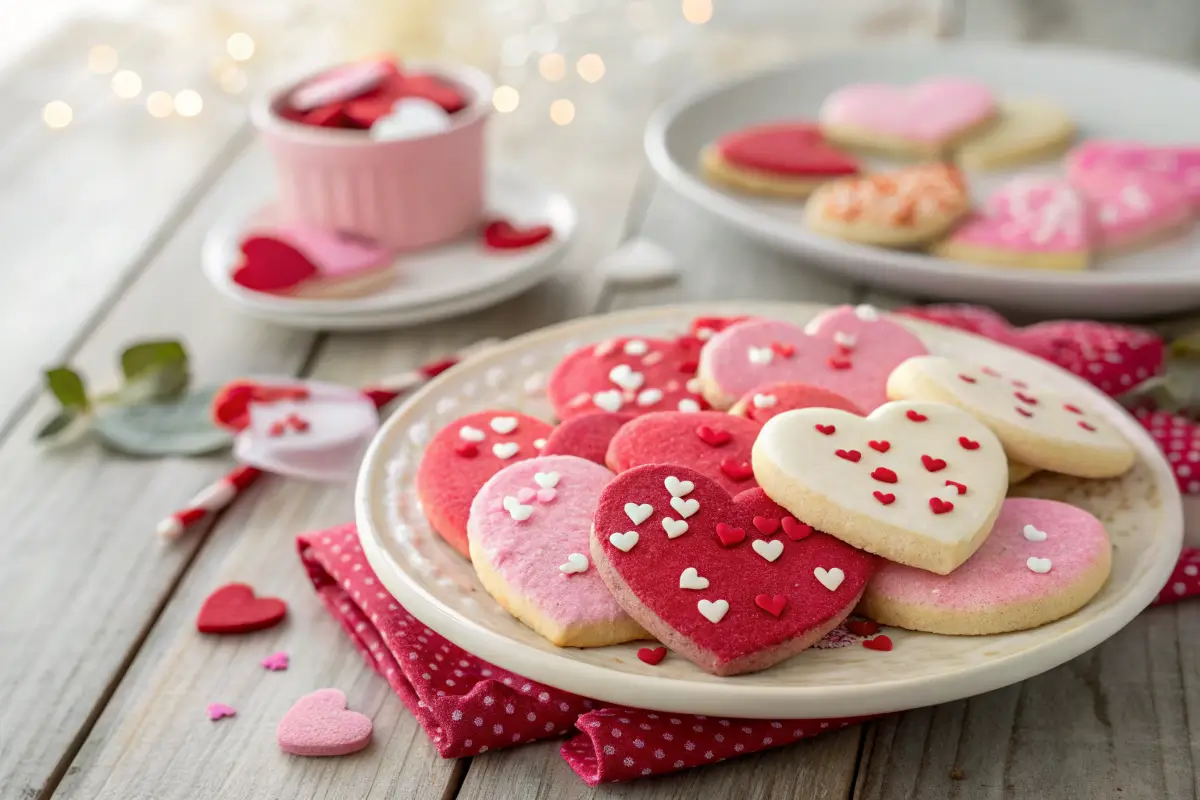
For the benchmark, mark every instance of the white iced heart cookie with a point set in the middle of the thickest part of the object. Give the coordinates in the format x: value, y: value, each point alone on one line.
x: 1037, y: 427
x: 410, y: 118
x: 917, y: 483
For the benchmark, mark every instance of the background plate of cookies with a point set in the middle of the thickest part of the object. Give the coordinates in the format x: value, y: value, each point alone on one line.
x: 1051, y: 180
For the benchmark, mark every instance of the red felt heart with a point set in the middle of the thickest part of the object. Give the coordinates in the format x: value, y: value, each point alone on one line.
x: 272, y: 266
x: 235, y: 609
x: 881, y: 643
x: 788, y: 148
x: 675, y: 437
x: 652, y: 655
x: 503, y: 235
x: 747, y: 636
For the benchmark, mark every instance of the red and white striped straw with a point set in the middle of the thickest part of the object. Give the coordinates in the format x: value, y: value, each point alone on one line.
x: 220, y: 494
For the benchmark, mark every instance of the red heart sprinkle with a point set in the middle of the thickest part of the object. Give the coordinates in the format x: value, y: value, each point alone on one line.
x: 968, y: 444
x: 838, y: 363
x: 277, y: 429
x: 503, y: 235
x: 1024, y: 398
x: 990, y: 371
x: 967, y: 378
x: 467, y: 450
x: 825, y: 429
x: 795, y: 529
x: 916, y: 416
x: 940, y: 506
x: 737, y: 470
x: 1072, y: 409
x: 961, y: 487
x: 783, y: 349
x: 729, y: 535
x: 881, y: 643
x: 862, y: 627
x: 1087, y: 426
x: 933, y: 464
x: 1020, y: 384
x: 849, y: 455
x: 884, y: 475
x: 771, y: 605
x: 713, y: 437
x: 1024, y: 412
x: 886, y: 499
x: 880, y: 446
x: 235, y: 609
x: 766, y: 525
x: 689, y: 367
x: 652, y: 655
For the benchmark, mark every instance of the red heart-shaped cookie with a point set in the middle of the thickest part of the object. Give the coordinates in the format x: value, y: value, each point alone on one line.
x: 692, y: 565
x: 463, y: 456
x: 772, y: 399
x: 272, y: 266
x: 503, y: 235
x: 786, y: 148
x: 234, y: 608
x: 586, y: 436
x: 714, y: 444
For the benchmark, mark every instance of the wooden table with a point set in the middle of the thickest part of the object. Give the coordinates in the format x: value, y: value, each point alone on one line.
x: 103, y: 680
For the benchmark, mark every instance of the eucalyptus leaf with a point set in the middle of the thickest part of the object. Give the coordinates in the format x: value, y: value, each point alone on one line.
x: 56, y: 425
x: 181, y: 428
x: 144, y: 358
x: 67, y: 386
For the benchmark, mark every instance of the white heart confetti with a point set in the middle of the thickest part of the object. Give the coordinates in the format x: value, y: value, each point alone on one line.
x: 470, y: 434
x: 690, y: 579
x: 1033, y: 534
x: 546, y: 480
x: 610, y: 400
x: 866, y: 313
x: 831, y: 579
x: 638, y: 513
x: 688, y: 404
x: 576, y: 562
x: 624, y: 541
x: 636, y: 347
x: 685, y: 507
x: 771, y: 550
x: 516, y: 509
x: 624, y: 376
x: 1039, y: 565
x: 505, y: 450
x: 674, y: 527
x: 503, y: 425
x: 538, y: 444
x: 678, y: 488
x: 648, y: 397
x: 765, y: 400
x: 713, y: 612
x: 760, y: 355
x: 846, y: 340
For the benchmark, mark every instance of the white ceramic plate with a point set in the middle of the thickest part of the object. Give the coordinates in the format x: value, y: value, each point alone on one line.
x: 442, y: 282
x: 1109, y: 96
x: 438, y: 586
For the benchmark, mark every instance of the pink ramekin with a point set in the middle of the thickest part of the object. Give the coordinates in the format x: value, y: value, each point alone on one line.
x: 406, y: 194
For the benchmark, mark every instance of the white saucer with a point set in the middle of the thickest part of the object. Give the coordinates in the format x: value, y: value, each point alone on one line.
x: 456, y: 278
x: 1109, y: 96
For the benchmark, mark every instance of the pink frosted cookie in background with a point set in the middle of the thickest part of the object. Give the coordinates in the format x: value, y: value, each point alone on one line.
x: 924, y: 120
x: 848, y: 350
x: 768, y: 400
x: 1042, y: 561
x: 713, y: 443
x: 528, y: 535
x: 1131, y: 210
x: 733, y: 584
x: 1034, y: 221
x: 1179, y: 165
x: 308, y: 262
x: 635, y: 375
x: 463, y: 456
x: 586, y: 436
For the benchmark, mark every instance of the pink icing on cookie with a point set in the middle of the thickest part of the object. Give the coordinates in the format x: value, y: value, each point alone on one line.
x: 1179, y: 165
x: 848, y: 350
x: 999, y: 573
x: 528, y: 553
x: 771, y: 399
x: 586, y: 435
x: 1030, y: 213
x: 1128, y: 206
x: 929, y: 111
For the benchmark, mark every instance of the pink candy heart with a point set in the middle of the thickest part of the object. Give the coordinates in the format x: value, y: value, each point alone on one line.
x: 218, y: 711
x: 319, y: 724
x: 275, y: 662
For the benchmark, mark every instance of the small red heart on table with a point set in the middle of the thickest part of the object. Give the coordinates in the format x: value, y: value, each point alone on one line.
x: 272, y: 266
x: 787, y: 148
x: 503, y: 235
x: 881, y: 643
x: 319, y: 724
x: 728, y: 606
x: 235, y: 609
x: 652, y: 655
x: 676, y: 437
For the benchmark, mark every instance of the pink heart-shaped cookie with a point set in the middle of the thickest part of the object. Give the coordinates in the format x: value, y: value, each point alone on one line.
x: 932, y: 111
x: 771, y: 399
x: 1178, y: 165
x: 1042, y: 561
x: 586, y: 436
x: 1128, y: 207
x: 633, y: 375
x: 531, y: 554
x: 713, y: 586
x: 848, y: 350
x: 319, y: 724
x: 713, y: 443
x: 463, y: 456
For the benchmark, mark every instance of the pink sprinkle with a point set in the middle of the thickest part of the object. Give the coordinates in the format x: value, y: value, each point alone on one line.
x: 546, y: 495
x: 525, y: 495
x: 218, y: 711
x: 276, y: 662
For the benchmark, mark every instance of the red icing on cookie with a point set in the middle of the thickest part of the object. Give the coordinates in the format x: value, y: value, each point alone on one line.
x: 272, y: 266
x: 1024, y: 412
x: 849, y: 455
x: 1072, y: 409
x: 503, y: 235
x: 884, y: 475
x: 586, y: 436
x: 796, y: 530
x: 916, y: 416
x: 783, y: 350
x: 635, y: 375
x: 966, y: 378
x: 713, y: 437
x: 887, y: 498
x: 940, y: 506
x: 467, y: 450
x: 447, y: 481
x: 837, y: 362
x: 880, y: 446
x: 729, y: 535
x: 968, y: 444
x: 826, y: 429
x: 1024, y: 398
x: 766, y: 525
x: 795, y: 149
x: 933, y: 464
x: 1087, y: 426
x: 673, y: 437
x: 737, y: 470
x: 960, y: 487
x: 772, y: 604
x: 645, y: 578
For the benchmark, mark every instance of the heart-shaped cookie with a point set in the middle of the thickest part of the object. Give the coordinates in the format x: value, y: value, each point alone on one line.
x: 302, y: 261
x: 848, y: 350
x: 1038, y: 427
x: 463, y: 456
x: 634, y: 375
x: 745, y: 586
x: 917, y: 483
x: 1180, y: 165
x: 504, y: 235
x: 319, y: 724
x: 535, y: 564
x: 1042, y: 561
x: 1130, y: 209
x: 788, y: 159
x: 766, y: 401
x: 1036, y: 221
x: 272, y: 265
x: 234, y: 608
x: 586, y: 436
x: 714, y: 444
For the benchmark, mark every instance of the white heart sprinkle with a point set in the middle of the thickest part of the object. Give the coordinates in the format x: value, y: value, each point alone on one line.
x: 690, y: 579
x: 831, y: 579
x: 624, y: 541
x: 1039, y: 565
x: 674, y: 527
x: 713, y: 612
x: 866, y: 313
x: 516, y: 509
x: 576, y: 562
x: 503, y: 425
x: 685, y: 507
x: 704, y: 334
x: 624, y: 376
x: 760, y: 355
x: 770, y: 550
x: 678, y: 488
x: 846, y: 340
x: 765, y: 400
x: 638, y: 513
x: 470, y: 434
x: 546, y: 480
x: 538, y: 444
x: 636, y: 347
x: 648, y: 397
x: 610, y: 400
x: 653, y: 358
x: 688, y: 404
x: 694, y: 386
x: 1033, y: 534
x: 505, y: 450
